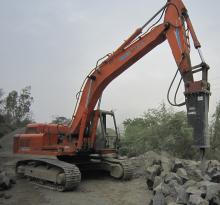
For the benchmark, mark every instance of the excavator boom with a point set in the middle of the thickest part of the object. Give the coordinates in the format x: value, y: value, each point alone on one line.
x: 174, y: 29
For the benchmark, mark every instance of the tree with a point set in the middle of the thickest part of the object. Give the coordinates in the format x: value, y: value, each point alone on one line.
x: 215, y: 132
x: 1, y: 102
x: 61, y: 120
x: 17, y: 107
x: 11, y: 106
x: 2, y: 120
x: 24, y: 103
x: 15, y: 110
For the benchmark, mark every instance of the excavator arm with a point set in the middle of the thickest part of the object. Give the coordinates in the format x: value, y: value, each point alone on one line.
x: 175, y: 29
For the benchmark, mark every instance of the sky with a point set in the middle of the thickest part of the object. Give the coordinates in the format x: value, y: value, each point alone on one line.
x: 53, y: 44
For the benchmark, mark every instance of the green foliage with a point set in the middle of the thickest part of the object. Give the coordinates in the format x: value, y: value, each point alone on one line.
x: 11, y: 105
x: 15, y: 109
x: 1, y: 104
x: 215, y: 134
x: 158, y: 129
x: 61, y: 120
x: 24, y: 103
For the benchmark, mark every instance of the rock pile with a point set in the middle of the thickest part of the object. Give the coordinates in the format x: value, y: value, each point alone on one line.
x: 138, y: 164
x: 175, y: 181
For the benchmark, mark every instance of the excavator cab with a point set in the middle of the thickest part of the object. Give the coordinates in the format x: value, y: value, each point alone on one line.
x: 107, y: 137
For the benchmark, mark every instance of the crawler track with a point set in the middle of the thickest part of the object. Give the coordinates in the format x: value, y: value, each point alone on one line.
x: 71, y: 172
x: 125, y: 165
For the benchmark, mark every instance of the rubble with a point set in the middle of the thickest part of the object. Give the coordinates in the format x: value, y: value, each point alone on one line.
x: 182, y: 181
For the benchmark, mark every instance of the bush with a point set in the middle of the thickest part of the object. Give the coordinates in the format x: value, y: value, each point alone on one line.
x: 159, y: 129
x: 214, y: 132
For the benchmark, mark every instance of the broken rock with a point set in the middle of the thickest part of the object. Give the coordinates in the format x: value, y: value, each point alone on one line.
x: 213, y: 170
x: 195, y: 174
x: 157, y: 181
x: 181, y: 195
x: 189, y: 183
x: 216, y: 178
x: 151, y: 173
x: 4, y: 181
x: 170, y: 200
x: 158, y: 199
x: 173, y: 177
x: 194, y: 190
x: 150, y: 158
x: 212, y: 191
x: 163, y: 188
x: 213, y: 164
x: 178, y: 192
x: 177, y: 163
x: 197, y: 200
x: 166, y: 163
x: 181, y: 172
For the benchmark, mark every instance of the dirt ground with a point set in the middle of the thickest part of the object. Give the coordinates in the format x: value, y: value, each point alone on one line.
x: 95, y: 188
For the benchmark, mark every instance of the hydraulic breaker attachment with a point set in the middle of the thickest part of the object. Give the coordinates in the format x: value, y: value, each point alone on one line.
x: 197, y: 112
x: 197, y: 103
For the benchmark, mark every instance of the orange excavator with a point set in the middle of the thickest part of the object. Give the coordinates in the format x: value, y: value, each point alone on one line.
x: 91, y: 141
